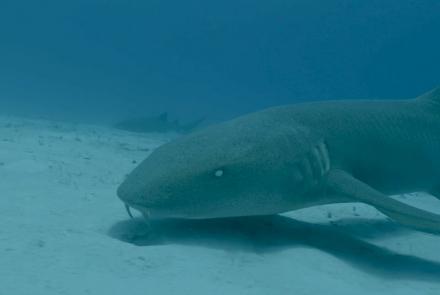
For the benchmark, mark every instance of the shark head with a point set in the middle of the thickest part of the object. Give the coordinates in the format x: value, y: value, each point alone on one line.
x: 232, y: 169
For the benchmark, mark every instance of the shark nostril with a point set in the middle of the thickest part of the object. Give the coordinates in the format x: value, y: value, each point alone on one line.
x: 143, y: 210
x: 128, y: 211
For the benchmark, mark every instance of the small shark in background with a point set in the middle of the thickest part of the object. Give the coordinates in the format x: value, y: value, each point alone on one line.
x: 292, y: 157
x: 159, y: 124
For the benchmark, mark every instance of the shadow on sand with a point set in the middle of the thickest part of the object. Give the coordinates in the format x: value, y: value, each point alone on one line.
x: 266, y: 234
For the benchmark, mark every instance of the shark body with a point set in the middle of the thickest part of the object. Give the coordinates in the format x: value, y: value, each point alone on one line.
x: 159, y: 124
x: 291, y: 157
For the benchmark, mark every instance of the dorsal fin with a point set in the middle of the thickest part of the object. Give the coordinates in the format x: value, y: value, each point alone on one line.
x: 432, y: 96
x: 163, y: 117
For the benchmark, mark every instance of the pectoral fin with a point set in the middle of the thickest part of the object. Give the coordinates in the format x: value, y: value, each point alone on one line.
x: 341, y: 182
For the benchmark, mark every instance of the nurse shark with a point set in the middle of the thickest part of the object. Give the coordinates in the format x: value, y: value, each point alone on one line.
x: 291, y: 157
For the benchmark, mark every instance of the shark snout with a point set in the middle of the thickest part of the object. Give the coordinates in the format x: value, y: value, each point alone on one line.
x: 149, y: 196
x: 133, y: 194
x: 135, y: 201
x: 127, y: 192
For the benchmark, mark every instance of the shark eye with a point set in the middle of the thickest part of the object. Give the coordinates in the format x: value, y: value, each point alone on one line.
x: 218, y: 173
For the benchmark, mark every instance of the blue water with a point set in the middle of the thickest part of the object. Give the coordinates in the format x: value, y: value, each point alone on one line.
x: 101, y: 61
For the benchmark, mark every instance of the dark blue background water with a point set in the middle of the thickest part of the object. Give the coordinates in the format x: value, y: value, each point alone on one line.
x: 103, y: 60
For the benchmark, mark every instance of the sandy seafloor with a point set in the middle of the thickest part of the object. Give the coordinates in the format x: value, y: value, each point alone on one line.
x: 64, y: 231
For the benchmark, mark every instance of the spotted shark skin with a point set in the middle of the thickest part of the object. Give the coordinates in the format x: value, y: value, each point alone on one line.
x: 291, y: 157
